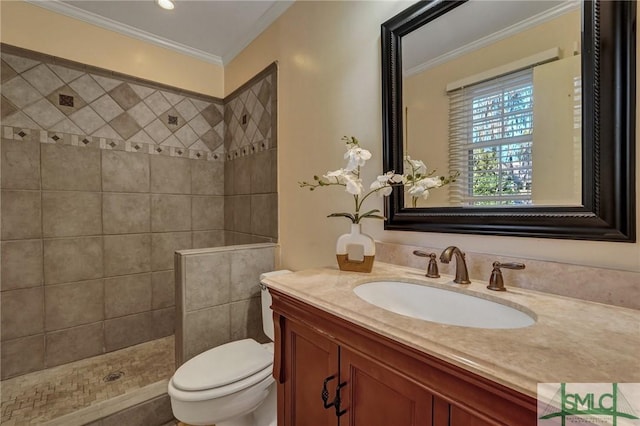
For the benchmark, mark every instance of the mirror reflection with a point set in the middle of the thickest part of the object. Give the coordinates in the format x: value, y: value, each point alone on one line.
x: 493, y: 92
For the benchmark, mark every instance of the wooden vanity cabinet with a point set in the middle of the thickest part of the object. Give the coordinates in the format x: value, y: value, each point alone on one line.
x: 382, y: 382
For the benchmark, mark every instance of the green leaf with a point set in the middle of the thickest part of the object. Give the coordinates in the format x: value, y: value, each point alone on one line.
x: 373, y: 216
x: 347, y: 215
x: 367, y: 214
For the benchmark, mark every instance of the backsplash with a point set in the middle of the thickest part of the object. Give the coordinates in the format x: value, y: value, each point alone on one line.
x: 97, y: 106
x: 607, y: 286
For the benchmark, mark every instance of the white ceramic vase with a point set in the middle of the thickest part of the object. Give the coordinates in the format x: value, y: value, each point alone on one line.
x: 348, y: 243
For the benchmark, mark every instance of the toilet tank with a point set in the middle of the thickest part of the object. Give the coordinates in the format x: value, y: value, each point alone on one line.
x: 267, y: 314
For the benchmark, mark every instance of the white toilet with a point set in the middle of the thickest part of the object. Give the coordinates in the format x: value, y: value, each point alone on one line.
x: 230, y: 385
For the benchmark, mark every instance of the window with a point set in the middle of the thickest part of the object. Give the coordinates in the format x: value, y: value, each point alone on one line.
x: 490, y: 140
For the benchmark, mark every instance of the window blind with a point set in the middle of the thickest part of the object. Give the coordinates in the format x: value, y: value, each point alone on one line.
x: 490, y: 140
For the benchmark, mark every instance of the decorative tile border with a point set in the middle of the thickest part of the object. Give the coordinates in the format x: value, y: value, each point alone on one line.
x: 43, y: 136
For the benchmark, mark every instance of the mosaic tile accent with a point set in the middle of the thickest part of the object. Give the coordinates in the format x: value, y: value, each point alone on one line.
x: 42, y: 95
x: 249, y: 117
x: 45, y: 395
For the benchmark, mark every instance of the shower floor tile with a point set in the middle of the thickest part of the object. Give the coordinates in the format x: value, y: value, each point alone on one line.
x: 45, y: 395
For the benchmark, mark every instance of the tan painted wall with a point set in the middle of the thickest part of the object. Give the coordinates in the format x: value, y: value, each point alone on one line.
x: 32, y: 27
x: 329, y: 85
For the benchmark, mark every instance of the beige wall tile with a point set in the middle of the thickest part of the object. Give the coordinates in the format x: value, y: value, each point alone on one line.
x: 264, y: 215
x: 69, y: 305
x: 127, y: 254
x: 164, y: 322
x: 20, y: 164
x: 205, y: 329
x: 68, y: 167
x: 206, y: 239
x: 230, y: 213
x: 126, y: 295
x: 22, y: 312
x: 207, y: 280
x: 242, y: 175
x: 246, y: 267
x: 125, y: 171
x: 170, y: 213
x: 73, y: 344
x: 127, y: 331
x: 207, y: 177
x: 22, y: 356
x: 207, y: 213
x: 126, y: 213
x: 21, y: 215
x: 261, y: 174
x: 72, y: 259
x: 242, y: 214
x: 71, y: 213
x: 229, y: 171
x: 163, y: 289
x: 21, y: 264
x: 170, y: 175
x: 246, y: 320
x: 163, y: 246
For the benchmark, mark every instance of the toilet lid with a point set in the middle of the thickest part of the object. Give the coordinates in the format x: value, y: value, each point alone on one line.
x: 222, y: 365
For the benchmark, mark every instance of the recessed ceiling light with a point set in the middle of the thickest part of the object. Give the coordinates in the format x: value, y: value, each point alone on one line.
x: 166, y: 4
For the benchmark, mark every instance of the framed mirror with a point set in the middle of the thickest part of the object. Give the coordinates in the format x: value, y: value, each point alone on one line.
x: 531, y: 104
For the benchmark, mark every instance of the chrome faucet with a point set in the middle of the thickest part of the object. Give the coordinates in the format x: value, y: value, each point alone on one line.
x: 462, y: 274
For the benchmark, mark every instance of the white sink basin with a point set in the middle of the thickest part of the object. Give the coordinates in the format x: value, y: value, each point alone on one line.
x: 441, y: 306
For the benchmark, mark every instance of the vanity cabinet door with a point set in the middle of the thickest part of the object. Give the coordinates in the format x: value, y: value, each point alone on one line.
x: 376, y: 395
x: 310, y: 358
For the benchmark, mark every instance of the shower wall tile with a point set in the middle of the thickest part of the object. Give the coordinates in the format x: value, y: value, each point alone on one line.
x: 207, y: 177
x: 67, y: 167
x: 242, y: 175
x: 207, y: 212
x: 125, y: 172
x: 170, y: 213
x: 22, y: 312
x: 69, y: 305
x: 170, y: 175
x: 246, y: 320
x: 262, y: 181
x: 246, y: 267
x: 21, y: 264
x: 22, y: 356
x: 242, y: 214
x: 20, y: 164
x: 21, y: 215
x: 204, y: 239
x: 73, y: 344
x: 163, y: 293
x: 154, y: 412
x: 126, y: 295
x: 164, y: 244
x: 164, y: 322
x: 209, y: 281
x: 264, y: 219
x: 126, y: 213
x: 70, y: 214
x: 127, y: 331
x: 127, y: 254
x: 205, y: 329
x: 72, y: 259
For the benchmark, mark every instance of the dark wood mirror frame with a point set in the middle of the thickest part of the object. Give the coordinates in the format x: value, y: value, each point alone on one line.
x: 608, y: 134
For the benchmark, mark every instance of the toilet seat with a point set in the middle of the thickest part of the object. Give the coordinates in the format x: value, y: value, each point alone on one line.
x: 221, y: 371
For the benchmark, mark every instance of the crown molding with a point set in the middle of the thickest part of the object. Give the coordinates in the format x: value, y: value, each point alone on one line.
x: 109, y: 24
x: 273, y: 13
x: 538, y: 19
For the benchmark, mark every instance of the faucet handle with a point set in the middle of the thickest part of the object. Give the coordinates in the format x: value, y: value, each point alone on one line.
x: 496, y: 281
x: 432, y: 268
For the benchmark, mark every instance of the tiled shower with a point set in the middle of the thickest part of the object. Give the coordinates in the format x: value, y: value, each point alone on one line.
x: 104, y: 176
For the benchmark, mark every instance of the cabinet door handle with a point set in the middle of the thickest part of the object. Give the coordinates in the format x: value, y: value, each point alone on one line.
x: 336, y: 399
x: 325, y: 393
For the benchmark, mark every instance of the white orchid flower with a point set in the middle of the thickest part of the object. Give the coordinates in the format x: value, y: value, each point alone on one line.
x: 357, y: 157
x: 417, y: 166
x: 430, y: 182
x: 338, y: 175
x: 383, y: 183
x: 354, y: 185
x: 418, y: 191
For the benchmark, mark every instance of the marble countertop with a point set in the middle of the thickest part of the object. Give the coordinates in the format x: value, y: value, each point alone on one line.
x: 571, y: 341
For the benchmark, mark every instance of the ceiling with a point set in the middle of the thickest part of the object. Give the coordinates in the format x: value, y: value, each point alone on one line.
x: 212, y: 30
